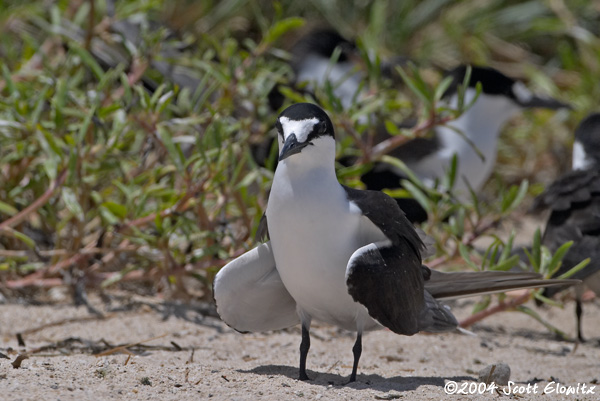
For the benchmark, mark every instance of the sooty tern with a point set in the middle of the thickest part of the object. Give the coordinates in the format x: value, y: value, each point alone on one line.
x: 574, y: 202
x: 313, y: 67
x: 476, y: 130
x: 472, y: 137
x: 339, y: 255
x: 500, y: 99
x: 311, y: 62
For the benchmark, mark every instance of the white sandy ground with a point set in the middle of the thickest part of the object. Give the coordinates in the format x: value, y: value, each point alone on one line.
x: 227, y: 365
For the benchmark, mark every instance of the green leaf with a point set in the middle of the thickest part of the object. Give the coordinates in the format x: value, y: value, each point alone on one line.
x: 26, y: 268
x: 442, y: 87
x: 48, y: 142
x: 50, y: 167
x: 535, y: 258
x: 463, y: 88
x: 536, y: 316
x: 116, y: 209
x: 456, y: 226
x: 164, y: 101
x: 83, y: 129
x: 157, y: 94
x: 8, y: 209
x: 20, y: 236
x: 506, y: 264
x: 292, y: 94
x: 481, y: 305
x: 516, y: 197
x: 127, y: 95
x: 546, y: 300
x: 506, y: 250
x: 109, y: 78
x: 174, y: 151
x: 391, y: 127
x: 72, y: 203
x: 107, y: 215
x: 280, y: 28
x: 402, y: 166
x: 116, y: 277
x: 10, y: 85
x: 415, y: 86
x: 158, y: 222
x: 87, y: 59
x: 489, y: 257
x: 250, y: 178
x: 467, y: 140
x: 464, y: 252
x: 452, y: 172
x: 39, y: 104
x: 398, y: 193
x: 575, y: 269
x: 73, y: 159
x: 418, y: 195
x: 58, y: 102
x: 558, y: 256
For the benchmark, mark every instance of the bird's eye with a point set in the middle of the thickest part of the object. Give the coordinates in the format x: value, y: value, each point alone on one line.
x: 322, y: 128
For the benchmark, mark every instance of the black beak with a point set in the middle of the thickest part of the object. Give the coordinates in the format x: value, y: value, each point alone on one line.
x: 545, y: 103
x: 291, y: 146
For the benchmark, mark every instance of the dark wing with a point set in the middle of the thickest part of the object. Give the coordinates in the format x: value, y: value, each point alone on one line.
x: 416, y: 149
x: 381, y: 176
x: 384, y: 175
x: 464, y: 284
x: 585, y: 244
x: 573, y: 188
x: 383, y: 211
x: 574, y: 203
x: 386, y: 276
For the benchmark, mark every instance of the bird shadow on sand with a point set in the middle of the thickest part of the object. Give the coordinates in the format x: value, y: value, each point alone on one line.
x: 373, y: 382
x: 196, y: 312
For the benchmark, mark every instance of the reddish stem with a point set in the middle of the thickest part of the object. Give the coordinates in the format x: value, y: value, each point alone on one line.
x: 392, y: 143
x: 39, y: 202
x: 501, y: 307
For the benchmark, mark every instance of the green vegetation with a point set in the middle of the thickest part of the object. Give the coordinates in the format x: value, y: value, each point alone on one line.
x: 115, y: 169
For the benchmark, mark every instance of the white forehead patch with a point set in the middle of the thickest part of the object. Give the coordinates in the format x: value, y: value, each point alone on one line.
x: 521, y: 92
x: 299, y: 127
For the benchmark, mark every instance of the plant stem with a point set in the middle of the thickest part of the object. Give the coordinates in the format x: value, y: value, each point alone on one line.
x: 501, y: 307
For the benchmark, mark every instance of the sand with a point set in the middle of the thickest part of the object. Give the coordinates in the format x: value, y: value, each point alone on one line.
x: 198, y: 357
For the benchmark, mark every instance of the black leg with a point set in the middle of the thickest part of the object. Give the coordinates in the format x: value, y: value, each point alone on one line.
x: 578, y: 313
x: 304, y: 347
x: 356, y: 350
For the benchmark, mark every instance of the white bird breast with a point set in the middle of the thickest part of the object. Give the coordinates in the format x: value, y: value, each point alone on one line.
x: 314, y: 232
